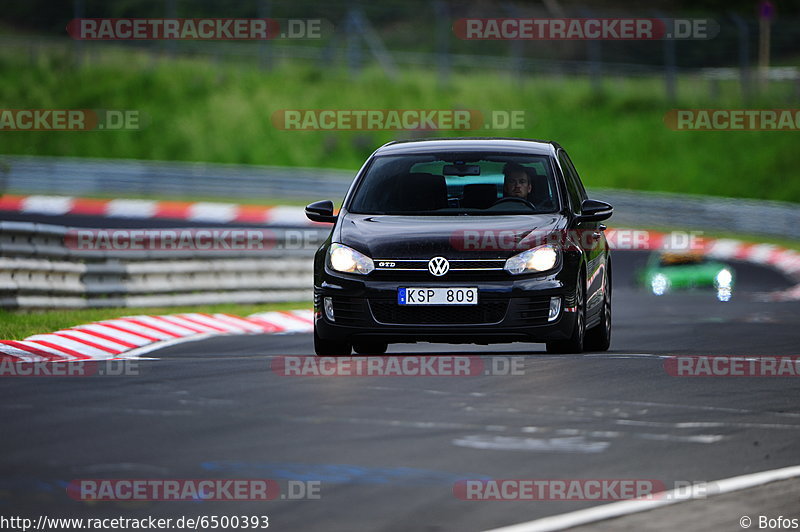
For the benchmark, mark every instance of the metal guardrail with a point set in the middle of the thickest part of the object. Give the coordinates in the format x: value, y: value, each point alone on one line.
x: 702, y: 213
x: 38, y: 269
x: 160, y: 179
x: 74, y: 176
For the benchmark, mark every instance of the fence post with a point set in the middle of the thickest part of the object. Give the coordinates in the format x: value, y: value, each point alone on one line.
x: 353, y: 44
x: 670, y: 70
x: 264, y: 56
x: 515, y: 50
x: 670, y: 67
x: 171, y: 12
x: 443, y: 25
x: 744, y: 55
x: 77, y: 44
x: 373, y: 40
x: 595, y: 57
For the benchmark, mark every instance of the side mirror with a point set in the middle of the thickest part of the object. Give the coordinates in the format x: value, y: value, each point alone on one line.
x: 595, y: 211
x: 321, y: 211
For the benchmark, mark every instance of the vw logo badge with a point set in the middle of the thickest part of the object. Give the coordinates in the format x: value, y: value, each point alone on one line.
x: 438, y: 266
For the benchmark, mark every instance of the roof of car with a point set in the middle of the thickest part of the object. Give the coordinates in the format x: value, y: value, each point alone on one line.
x: 511, y: 145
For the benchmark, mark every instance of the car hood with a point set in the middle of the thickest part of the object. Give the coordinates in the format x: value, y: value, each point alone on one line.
x: 424, y: 237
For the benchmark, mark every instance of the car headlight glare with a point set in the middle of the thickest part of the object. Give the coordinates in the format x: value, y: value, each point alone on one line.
x: 724, y: 278
x: 659, y: 284
x: 347, y: 260
x: 538, y: 259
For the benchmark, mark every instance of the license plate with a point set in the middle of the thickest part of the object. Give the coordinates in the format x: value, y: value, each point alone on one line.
x: 437, y: 296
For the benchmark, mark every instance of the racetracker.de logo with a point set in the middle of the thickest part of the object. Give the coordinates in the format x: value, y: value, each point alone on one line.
x: 196, y: 29
x: 173, y: 489
x: 630, y: 239
x: 396, y: 119
x: 733, y: 119
x: 732, y: 366
x: 600, y: 489
x: 72, y: 368
x: 583, y: 29
x: 395, y: 366
x: 178, y: 240
x: 71, y: 119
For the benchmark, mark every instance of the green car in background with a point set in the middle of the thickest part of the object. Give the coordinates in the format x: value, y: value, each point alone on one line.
x: 669, y: 271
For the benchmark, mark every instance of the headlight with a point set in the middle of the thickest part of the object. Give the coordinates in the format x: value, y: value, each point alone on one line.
x: 348, y: 260
x: 659, y: 284
x: 724, y: 278
x: 538, y: 259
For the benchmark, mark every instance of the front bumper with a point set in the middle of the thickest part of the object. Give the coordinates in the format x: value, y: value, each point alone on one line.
x: 509, y: 310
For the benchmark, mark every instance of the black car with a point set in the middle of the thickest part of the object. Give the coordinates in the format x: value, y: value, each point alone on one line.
x: 472, y: 240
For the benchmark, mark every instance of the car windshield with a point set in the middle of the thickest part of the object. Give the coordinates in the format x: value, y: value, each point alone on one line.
x: 681, y: 259
x: 457, y: 184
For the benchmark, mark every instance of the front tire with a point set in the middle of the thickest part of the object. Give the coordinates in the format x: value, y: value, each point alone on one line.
x: 574, y: 344
x: 331, y: 348
x: 598, y: 338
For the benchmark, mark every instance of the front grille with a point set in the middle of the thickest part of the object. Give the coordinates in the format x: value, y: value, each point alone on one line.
x: 532, y: 311
x: 486, y: 312
x: 464, y: 276
x: 455, y: 264
x: 460, y: 270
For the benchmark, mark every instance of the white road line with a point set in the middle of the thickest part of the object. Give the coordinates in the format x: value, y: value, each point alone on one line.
x: 47, y: 204
x: 705, y: 424
x: 761, y: 253
x: 135, y: 353
x: 74, y: 345
x: 569, y: 444
x: 188, y: 325
x: 213, y: 212
x: 164, y: 324
x: 143, y: 333
x: 284, y: 215
x: 239, y: 322
x: 215, y: 322
x: 77, y: 333
x: 127, y: 208
x: 140, y: 329
x: 621, y: 508
x: 625, y: 355
x: 23, y: 356
x: 102, y: 328
x: 46, y: 349
x: 290, y: 323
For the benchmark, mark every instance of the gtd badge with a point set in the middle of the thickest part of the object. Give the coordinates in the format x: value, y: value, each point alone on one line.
x: 386, y: 265
x: 438, y: 266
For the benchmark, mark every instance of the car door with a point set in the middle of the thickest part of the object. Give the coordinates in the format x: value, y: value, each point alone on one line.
x: 589, y: 234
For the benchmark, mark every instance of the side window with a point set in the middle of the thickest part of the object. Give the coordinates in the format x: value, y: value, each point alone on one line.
x: 573, y: 188
x: 576, y: 176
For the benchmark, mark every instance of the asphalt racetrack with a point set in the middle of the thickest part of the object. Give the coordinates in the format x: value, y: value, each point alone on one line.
x: 385, y: 453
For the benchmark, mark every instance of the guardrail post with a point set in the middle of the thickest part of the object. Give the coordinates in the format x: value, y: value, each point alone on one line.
x: 443, y: 24
x: 744, y: 56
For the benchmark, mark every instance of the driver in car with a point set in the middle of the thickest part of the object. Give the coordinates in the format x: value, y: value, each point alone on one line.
x: 516, y: 181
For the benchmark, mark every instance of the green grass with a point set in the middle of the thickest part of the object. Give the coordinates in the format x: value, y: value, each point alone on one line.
x: 218, y: 112
x: 17, y: 325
